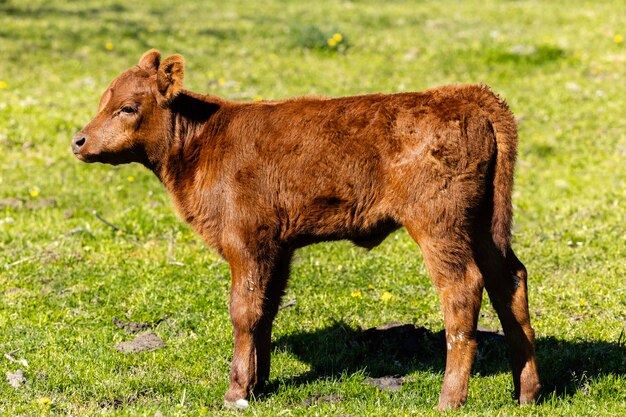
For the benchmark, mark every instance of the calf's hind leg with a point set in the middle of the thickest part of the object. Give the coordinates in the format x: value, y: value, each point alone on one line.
x: 460, y: 285
x: 505, y: 280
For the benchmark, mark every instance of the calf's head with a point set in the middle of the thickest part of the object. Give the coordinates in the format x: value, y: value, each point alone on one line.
x: 134, y: 113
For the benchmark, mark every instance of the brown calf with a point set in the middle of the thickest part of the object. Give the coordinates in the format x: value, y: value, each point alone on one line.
x: 259, y: 180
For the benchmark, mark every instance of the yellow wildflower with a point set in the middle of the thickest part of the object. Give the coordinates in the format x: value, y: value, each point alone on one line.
x: 386, y: 296
x: 108, y: 46
x: 618, y: 39
x: 582, y: 302
x: 338, y: 37
x: 131, y: 178
x: 370, y: 287
x: 356, y: 294
x: 331, y: 42
x: 34, y: 192
x: 221, y: 81
x: 44, y: 401
x: 258, y: 98
x: 3, y: 84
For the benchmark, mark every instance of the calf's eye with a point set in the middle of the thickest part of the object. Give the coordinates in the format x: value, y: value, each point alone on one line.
x: 129, y: 110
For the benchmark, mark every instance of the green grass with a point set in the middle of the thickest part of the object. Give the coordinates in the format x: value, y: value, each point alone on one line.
x: 64, y: 274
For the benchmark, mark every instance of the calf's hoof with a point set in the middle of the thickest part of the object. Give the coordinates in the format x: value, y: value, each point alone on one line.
x: 235, y: 398
x: 529, y: 395
x: 449, y: 402
x: 448, y: 406
x: 240, y: 404
x: 529, y: 385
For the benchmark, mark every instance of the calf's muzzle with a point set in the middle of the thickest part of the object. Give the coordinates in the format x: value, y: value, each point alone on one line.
x: 77, y: 142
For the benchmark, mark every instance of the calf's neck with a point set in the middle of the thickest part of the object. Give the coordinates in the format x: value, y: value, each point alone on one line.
x: 259, y: 180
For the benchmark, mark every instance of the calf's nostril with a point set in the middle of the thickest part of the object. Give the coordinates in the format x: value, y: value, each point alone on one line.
x: 77, y: 143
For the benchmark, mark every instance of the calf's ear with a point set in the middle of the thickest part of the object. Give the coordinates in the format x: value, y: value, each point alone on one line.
x: 150, y: 60
x: 170, y: 76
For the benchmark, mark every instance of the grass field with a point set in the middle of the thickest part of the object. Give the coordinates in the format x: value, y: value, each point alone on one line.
x: 65, y: 274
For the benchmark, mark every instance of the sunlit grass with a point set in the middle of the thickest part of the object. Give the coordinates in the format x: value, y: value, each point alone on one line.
x: 64, y: 274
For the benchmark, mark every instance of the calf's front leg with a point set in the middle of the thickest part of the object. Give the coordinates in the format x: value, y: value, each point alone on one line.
x: 257, y: 284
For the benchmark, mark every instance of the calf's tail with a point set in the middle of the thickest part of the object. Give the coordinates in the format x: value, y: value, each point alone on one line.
x: 505, y: 129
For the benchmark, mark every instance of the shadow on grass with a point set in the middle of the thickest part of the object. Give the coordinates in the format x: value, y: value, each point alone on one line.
x: 565, y: 366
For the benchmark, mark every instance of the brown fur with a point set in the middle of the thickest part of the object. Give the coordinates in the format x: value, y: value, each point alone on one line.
x: 259, y: 180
